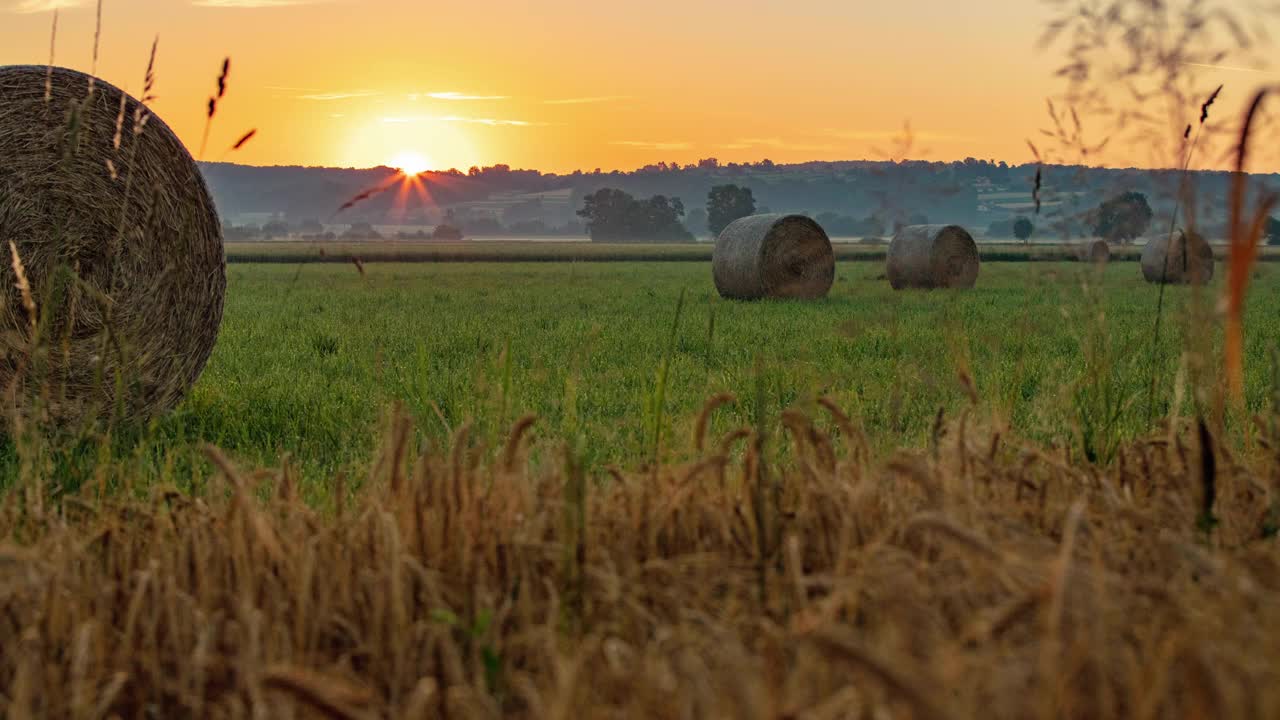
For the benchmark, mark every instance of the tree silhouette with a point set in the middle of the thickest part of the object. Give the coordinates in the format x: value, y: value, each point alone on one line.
x: 726, y: 203
x: 615, y: 216
x: 1022, y: 229
x: 1122, y: 218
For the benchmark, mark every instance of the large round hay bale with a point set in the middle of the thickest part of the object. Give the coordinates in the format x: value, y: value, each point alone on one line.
x: 932, y: 256
x: 1184, y: 258
x: 121, y: 245
x: 1095, y: 251
x: 773, y: 256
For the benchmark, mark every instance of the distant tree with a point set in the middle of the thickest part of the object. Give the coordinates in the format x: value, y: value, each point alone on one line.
x: 708, y: 164
x: 1273, y: 231
x: 1122, y: 218
x: 1022, y: 229
x: 607, y: 213
x: 446, y: 232
x: 726, y: 203
x: 612, y: 215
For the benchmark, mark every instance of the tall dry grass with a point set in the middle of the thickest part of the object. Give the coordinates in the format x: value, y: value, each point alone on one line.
x: 984, y: 577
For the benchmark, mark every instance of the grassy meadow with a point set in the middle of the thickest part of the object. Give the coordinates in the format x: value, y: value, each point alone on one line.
x: 1035, y: 549
x: 311, y: 357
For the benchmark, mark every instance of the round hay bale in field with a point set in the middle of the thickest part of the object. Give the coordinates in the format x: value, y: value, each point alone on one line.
x: 1095, y: 251
x: 1184, y: 258
x: 932, y: 256
x: 120, y: 243
x: 773, y: 256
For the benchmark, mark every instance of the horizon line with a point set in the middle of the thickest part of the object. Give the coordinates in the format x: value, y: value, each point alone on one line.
x: 602, y: 171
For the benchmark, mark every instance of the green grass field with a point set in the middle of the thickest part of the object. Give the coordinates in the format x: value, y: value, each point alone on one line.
x: 310, y: 357
x: 417, y: 251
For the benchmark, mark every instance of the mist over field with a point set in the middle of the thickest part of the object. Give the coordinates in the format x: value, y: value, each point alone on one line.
x: 851, y: 199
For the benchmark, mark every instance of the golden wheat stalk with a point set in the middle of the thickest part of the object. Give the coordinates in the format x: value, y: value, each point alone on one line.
x: 24, y: 287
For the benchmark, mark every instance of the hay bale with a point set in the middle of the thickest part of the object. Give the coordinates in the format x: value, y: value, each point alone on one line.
x: 122, y: 248
x: 1094, y: 251
x: 773, y: 256
x: 932, y: 256
x: 1184, y: 258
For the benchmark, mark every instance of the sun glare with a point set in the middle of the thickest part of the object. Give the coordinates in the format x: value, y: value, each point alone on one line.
x: 411, y: 163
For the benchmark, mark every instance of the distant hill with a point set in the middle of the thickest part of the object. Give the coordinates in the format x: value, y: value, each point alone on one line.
x: 971, y: 192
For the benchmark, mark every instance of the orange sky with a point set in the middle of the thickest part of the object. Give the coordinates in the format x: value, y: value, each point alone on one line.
x: 566, y: 84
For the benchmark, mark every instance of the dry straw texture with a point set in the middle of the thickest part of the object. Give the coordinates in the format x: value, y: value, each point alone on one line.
x: 984, y: 578
x: 932, y: 256
x: 1095, y: 251
x: 1189, y: 262
x: 773, y: 256
x: 120, y: 243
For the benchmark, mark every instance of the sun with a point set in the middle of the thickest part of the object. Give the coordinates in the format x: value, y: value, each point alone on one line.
x: 411, y: 163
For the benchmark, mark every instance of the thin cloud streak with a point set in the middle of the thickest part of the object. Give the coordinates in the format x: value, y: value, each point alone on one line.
x: 1229, y: 68
x: 777, y: 144
x: 330, y: 97
x: 652, y: 145
x: 587, y: 100
x: 491, y: 122
x: 462, y: 96
x: 254, y: 3
x: 27, y: 7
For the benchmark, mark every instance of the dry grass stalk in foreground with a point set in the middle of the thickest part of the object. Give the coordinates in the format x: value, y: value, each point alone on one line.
x: 983, y: 578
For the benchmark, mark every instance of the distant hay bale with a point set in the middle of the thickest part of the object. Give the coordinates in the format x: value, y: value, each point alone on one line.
x: 932, y: 256
x: 773, y: 256
x: 1095, y: 251
x: 122, y: 247
x: 1188, y: 262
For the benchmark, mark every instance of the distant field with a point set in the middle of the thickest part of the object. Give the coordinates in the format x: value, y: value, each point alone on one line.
x: 309, y: 355
x: 576, y: 251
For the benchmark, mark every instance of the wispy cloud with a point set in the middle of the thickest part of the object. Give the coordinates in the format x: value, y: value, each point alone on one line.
x: 462, y: 96
x: 35, y: 6
x: 491, y: 122
x: 331, y: 96
x: 778, y: 144
x: 253, y: 3
x: 655, y: 145
x: 587, y: 100
x: 1229, y: 68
